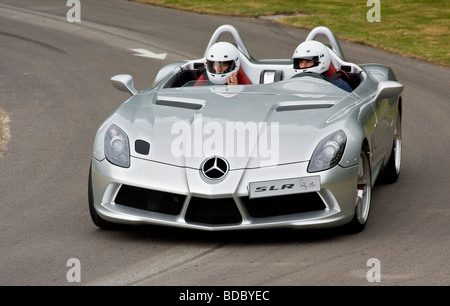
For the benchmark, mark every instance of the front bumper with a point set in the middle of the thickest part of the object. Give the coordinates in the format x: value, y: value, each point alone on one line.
x: 160, y: 194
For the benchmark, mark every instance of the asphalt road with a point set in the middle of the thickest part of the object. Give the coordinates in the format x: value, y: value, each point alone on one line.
x: 54, y: 83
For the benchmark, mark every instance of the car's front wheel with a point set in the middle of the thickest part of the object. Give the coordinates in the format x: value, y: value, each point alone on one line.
x: 363, y: 195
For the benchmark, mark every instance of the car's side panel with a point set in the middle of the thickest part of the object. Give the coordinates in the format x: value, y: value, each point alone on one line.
x: 386, y: 115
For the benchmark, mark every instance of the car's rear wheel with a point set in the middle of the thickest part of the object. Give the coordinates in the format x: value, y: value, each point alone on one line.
x: 392, y: 170
x: 94, y: 215
x: 363, y: 195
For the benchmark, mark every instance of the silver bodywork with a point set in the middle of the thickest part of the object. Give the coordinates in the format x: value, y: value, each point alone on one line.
x: 219, y: 157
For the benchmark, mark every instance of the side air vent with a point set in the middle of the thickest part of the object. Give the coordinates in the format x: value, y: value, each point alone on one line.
x: 285, y: 108
x: 179, y: 104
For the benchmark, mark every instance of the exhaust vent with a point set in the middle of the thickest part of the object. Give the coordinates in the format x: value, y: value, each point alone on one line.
x: 179, y: 104
x: 285, y: 108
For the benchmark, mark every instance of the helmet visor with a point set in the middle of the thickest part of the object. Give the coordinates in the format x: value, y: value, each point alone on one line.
x: 306, y: 61
x: 220, y: 67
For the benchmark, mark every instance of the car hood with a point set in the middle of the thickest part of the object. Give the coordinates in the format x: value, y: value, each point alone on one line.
x: 249, y: 125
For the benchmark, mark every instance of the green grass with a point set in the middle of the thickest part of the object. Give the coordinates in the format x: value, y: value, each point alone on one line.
x: 413, y: 28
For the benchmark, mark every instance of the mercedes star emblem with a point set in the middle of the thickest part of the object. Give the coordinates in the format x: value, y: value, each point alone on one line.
x: 215, y: 168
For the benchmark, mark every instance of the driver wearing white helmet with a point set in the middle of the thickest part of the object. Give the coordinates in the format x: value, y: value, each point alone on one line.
x: 313, y: 56
x: 223, y: 65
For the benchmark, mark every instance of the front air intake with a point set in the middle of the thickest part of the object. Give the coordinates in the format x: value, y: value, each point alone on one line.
x: 283, y: 205
x: 150, y: 200
x: 213, y: 211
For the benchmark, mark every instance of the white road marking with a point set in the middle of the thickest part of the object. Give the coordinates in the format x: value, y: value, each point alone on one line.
x: 150, y: 54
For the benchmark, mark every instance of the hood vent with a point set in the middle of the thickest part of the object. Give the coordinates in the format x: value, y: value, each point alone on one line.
x: 179, y: 104
x: 285, y: 108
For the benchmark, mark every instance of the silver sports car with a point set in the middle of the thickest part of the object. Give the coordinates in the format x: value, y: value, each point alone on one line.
x: 292, y: 150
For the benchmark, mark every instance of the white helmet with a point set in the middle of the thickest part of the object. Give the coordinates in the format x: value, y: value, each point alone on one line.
x: 222, y: 53
x: 314, y: 51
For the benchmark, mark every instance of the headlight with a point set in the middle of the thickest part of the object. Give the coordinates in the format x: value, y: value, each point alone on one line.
x: 328, y: 152
x: 117, y: 148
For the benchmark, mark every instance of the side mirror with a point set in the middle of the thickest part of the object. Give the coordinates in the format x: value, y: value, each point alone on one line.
x: 124, y: 82
x: 389, y: 89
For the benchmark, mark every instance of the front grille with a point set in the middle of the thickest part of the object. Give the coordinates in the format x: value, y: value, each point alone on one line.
x: 217, y: 211
x: 151, y: 200
x: 283, y: 205
x: 213, y: 211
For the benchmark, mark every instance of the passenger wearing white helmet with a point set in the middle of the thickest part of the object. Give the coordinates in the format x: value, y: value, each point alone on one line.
x: 223, y: 65
x: 313, y: 56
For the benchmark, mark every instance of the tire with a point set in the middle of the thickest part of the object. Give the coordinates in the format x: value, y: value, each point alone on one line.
x: 98, y: 221
x: 392, y: 171
x: 363, y: 195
